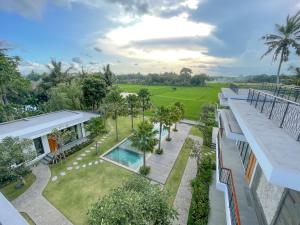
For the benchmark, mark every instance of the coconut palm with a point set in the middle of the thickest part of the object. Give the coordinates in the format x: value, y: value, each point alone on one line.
x: 179, y: 113
x: 132, y: 102
x: 281, y: 42
x: 158, y: 117
x: 144, y: 97
x: 108, y: 75
x: 144, y: 139
x: 168, y: 119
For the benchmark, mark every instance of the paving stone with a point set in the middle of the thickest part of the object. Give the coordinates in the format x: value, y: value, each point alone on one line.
x: 54, y: 178
x: 87, y: 151
x: 90, y: 163
x: 83, y: 165
x: 96, y: 162
x: 75, y: 163
x: 70, y: 168
x: 79, y: 158
x: 92, y: 148
x: 83, y: 154
x: 63, y: 173
x: 101, y: 161
x: 77, y: 167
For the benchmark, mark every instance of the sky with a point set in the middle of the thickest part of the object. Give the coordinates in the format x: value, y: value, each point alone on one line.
x: 217, y: 37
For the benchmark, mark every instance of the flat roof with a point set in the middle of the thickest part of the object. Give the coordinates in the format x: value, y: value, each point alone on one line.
x: 35, y: 126
x: 228, y: 93
x: 276, y: 151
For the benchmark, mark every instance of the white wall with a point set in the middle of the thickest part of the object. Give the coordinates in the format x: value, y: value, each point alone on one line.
x: 45, y: 144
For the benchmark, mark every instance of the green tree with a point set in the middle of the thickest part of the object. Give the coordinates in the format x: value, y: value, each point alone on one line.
x: 281, y: 42
x: 133, y: 104
x: 14, y: 153
x: 96, y: 126
x: 108, y: 76
x: 115, y: 107
x: 178, y: 113
x: 57, y: 75
x: 169, y: 120
x: 144, y: 97
x: 94, y: 91
x: 159, y: 117
x: 199, y: 80
x: 136, y: 202
x: 144, y: 139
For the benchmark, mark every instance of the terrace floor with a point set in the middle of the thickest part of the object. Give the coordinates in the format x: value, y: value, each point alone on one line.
x: 231, y: 160
x: 161, y: 165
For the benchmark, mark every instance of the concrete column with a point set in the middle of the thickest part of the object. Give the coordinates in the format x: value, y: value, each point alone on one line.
x: 45, y: 144
x: 79, y: 131
x: 83, y: 130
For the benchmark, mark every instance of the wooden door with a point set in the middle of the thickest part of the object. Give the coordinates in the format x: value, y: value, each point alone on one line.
x: 52, y: 144
x: 250, y: 167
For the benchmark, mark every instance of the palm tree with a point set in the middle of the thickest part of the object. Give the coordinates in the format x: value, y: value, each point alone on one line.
x: 132, y: 101
x: 144, y: 97
x: 179, y: 113
x: 115, y: 107
x: 158, y: 117
x: 56, y: 74
x: 108, y: 75
x: 168, y: 120
x: 281, y: 42
x: 144, y: 139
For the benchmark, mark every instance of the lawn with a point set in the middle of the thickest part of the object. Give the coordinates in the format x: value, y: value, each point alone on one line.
x: 193, y: 98
x: 28, y: 219
x: 73, y: 193
x: 175, y: 176
x: 11, y: 193
x: 196, y: 132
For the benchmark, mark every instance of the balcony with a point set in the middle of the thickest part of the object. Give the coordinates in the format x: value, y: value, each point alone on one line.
x: 230, y: 178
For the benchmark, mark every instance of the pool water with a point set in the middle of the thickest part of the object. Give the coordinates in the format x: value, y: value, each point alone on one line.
x: 126, y: 157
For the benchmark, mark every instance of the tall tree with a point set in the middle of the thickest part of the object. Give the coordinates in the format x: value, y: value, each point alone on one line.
x: 178, y: 113
x: 169, y: 120
x: 14, y: 153
x: 96, y: 126
x: 159, y: 117
x: 108, y: 76
x: 116, y: 107
x: 57, y: 75
x: 94, y: 91
x: 285, y: 38
x: 144, y: 140
x: 133, y: 104
x: 144, y: 97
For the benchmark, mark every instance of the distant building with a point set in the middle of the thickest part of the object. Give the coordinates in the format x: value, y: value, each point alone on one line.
x: 38, y: 128
x: 258, y: 156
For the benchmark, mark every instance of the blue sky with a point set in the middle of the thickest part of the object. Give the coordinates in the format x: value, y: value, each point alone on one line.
x: 212, y: 36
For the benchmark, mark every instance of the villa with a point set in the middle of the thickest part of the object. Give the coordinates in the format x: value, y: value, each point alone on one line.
x: 257, y: 155
x: 38, y: 128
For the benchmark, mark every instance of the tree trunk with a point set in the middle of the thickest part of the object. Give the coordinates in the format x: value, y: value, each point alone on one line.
x: 131, y: 119
x: 169, y: 133
x: 144, y: 158
x: 175, y: 129
x: 279, y: 68
x: 116, y: 121
x: 143, y: 106
x: 160, y: 126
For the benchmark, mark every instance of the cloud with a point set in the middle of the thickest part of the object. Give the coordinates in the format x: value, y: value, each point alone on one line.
x: 98, y: 49
x: 77, y: 60
x: 26, y: 67
x: 135, y: 6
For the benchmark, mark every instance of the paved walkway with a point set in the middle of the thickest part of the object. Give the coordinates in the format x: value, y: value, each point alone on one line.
x: 161, y: 165
x: 184, y: 194
x: 35, y: 205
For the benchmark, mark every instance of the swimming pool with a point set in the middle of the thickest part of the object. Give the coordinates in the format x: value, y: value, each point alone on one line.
x: 127, y: 155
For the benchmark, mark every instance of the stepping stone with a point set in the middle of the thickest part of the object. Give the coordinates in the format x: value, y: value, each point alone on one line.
x: 101, y: 161
x: 92, y: 147
x: 99, y: 142
x: 77, y: 167
x: 83, y: 165
x: 54, y: 178
x: 63, y: 174
x: 96, y: 162
x: 79, y: 158
x: 87, y: 151
x: 90, y: 163
x: 75, y: 163
x: 70, y: 168
x: 83, y: 154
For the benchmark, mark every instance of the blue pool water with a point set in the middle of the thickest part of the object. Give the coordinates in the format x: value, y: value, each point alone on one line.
x: 129, y: 156
x: 126, y: 157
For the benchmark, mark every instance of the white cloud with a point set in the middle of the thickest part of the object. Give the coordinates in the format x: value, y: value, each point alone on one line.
x: 192, y: 4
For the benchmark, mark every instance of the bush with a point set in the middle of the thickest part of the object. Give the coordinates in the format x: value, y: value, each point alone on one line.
x: 199, y: 209
x: 78, y: 147
x: 159, y: 151
x: 145, y: 170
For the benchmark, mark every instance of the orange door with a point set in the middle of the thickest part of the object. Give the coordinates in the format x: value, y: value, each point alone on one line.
x: 52, y: 144
x: 250, y: 167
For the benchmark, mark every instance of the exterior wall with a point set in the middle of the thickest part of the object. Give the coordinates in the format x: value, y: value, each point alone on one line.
x: 79, y: 131
x: 45, y: 144
x: 269, y: 196
x: 84, y: 132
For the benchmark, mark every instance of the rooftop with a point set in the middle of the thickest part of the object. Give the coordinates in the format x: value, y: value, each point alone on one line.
x: 36, y: 126
x: 277, y: 152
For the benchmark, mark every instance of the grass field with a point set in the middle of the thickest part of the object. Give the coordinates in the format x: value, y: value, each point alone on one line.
x: 193, y: 98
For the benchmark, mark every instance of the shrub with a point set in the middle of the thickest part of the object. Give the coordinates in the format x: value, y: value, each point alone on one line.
x: 79, y: 147
x: 145, y: 170
x: 159, y: 151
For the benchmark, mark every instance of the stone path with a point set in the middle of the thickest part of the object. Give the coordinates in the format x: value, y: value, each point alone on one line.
x: 184, y: 193
x: 161, y: 165
x: 35, y: 205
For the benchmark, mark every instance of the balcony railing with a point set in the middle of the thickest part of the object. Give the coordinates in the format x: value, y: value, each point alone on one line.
x: 225, y: 176
x: 234, y: 88
x: 285, y: 113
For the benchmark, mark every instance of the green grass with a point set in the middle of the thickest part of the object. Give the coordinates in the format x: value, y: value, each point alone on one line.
x: 74, y: 193
x: 193, y: 98
x: 196, y: 132
x: 11, y: 193
x: 175, y: 176
x: 27, y: 218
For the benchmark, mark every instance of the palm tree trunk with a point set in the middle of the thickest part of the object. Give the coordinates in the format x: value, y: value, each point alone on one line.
x: 131, y: 119
x: 143, y: 111
x: 160, y: 126
x: 279, y: 68
x: 169, y: 133
x: 144, y: 158
x: 175, y: 129
x: 116, y: 121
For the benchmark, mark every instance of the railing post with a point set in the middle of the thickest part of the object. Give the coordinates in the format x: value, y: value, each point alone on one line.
x: 273, y: 104
x: 285, y: 112
x: 252, y: 97
x: 257, y: 99
x: 262, y: 107
x: 248, y: 98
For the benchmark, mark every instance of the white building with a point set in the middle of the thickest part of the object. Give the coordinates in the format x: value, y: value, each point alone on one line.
x: 38, y: 128
x: 258, y: 157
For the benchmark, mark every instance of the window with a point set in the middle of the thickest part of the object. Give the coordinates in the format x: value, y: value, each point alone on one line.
x: 38, y: 144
